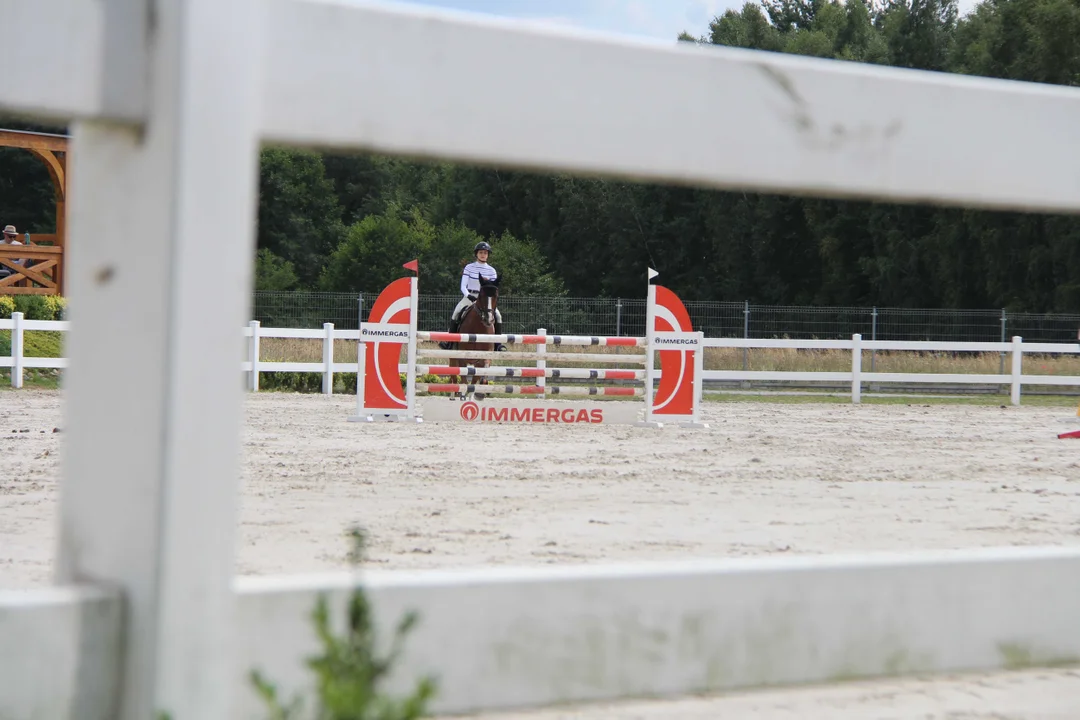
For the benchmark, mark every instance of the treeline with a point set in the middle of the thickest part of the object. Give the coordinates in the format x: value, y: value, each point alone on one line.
x: 346, y: 222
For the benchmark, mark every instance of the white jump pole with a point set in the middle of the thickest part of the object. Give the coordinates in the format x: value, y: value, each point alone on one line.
x: 650, y: 354
x: 410, y: 355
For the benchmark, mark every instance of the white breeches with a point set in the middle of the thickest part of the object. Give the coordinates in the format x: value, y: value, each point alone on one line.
x: 466, y: 302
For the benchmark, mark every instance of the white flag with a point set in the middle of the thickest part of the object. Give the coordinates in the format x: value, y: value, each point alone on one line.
x: 652, y: 273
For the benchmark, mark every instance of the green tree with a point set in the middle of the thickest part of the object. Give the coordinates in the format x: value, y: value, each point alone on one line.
x: 789, y: 16
x: 523, y: 270
x: 748, y: 28
x: 27, y: 198
x: 451, y: 251
x: 1033, y: 40
x: 919, y: 33
x: 858, y: 39
x: 299, y: 213
x: 374, y: 250
x: 273, y: 272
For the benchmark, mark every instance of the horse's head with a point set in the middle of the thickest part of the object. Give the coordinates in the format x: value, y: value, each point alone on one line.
x: 487, y: 300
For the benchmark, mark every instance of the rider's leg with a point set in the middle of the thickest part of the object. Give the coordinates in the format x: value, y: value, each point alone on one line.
x: 455, y: 321
x: 499, y: 347
x: 452, y: 327
x: 459, y: 312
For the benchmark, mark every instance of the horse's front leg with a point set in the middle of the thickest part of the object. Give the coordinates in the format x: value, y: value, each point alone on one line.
x: 482, y: 379
x: 462, y: 380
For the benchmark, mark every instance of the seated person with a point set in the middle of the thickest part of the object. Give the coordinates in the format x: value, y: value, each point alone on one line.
x: 9, y: 238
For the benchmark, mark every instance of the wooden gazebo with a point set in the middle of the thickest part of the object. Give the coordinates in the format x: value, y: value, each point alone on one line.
x: 43, y: 274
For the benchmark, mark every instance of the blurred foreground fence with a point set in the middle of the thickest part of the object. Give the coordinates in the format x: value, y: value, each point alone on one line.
x: 622, y: 316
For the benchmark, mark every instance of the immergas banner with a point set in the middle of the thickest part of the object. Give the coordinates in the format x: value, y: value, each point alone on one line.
x: 679, y: 348
x: 530, y: 412
x: 384, y: 332
x: 677, y: 340
x: 384, y: 335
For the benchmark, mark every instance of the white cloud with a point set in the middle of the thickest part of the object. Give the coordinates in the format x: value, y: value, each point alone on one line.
x: 701, y: 12
x: 966, y: 6
x: 656, y: 19
x: 557, y: 20
x: 639, y: 15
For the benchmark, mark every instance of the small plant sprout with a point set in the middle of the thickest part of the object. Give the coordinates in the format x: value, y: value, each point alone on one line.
x: 349, y: 671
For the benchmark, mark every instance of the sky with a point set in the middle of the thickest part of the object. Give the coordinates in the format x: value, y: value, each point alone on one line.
x: 655, y: 19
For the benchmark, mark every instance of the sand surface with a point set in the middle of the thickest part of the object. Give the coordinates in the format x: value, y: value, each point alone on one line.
x: 806, y: 478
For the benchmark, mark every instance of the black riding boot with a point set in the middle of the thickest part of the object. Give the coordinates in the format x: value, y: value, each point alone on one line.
x: 454, y: 325
x: 499, y: 347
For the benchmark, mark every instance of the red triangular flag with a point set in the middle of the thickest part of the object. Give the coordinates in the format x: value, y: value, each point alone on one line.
x: 414, y: 266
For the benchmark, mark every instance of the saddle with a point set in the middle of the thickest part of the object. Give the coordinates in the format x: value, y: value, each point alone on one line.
x: 456, y: 322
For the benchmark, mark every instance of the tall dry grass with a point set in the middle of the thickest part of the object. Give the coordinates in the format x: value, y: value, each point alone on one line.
x: 765, y: 359
x: 304, y: 350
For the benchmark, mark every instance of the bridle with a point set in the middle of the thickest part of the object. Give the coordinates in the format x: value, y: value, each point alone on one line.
x: 484, y: 307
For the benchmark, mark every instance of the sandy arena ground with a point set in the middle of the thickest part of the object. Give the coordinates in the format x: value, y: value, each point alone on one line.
x: 801, y: 478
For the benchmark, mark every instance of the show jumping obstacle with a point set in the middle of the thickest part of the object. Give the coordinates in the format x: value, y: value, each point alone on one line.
x: 382, y: 396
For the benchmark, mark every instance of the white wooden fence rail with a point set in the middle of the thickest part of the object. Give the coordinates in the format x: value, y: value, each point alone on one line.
x: 168, y: 102
x: 857, y: 377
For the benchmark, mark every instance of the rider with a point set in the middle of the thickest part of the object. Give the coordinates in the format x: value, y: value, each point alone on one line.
x: 470, y: 288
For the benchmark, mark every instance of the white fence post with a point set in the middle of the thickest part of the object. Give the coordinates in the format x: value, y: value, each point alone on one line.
x: 253, y: 355
x: 856, y: 369
x: 328, y: 359
x: 541, y: 351
x: 1017, y: 367
x: 149, y: 498
x: 17, y: 350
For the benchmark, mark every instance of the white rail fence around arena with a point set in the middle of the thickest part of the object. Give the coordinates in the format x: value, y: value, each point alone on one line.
x: 857, y: 377
x: 168, y: 103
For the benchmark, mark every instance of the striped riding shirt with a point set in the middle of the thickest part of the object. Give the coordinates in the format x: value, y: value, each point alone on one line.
x: 470, y: 277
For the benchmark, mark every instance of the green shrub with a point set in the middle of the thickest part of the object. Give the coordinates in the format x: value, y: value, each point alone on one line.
x: 344, y: 383
x: 57, y: 305
x: 300, y: 382
x: 33, y: 307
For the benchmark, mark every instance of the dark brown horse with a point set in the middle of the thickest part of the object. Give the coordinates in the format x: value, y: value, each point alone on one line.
x: 478, y: 319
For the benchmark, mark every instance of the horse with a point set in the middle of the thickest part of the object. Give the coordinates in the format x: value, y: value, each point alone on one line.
x: 478, y: 319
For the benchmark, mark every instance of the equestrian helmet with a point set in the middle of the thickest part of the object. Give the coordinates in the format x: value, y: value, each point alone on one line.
x: 481, y: 246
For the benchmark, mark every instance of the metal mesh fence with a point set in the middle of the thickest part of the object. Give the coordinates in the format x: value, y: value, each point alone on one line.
x: 961, y: 325
x: 306, y: 309
x: 622, y: 316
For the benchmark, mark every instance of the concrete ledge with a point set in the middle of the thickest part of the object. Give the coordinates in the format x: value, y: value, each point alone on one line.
x: 501, y: 638
x: 507, y: 637
x: 59, y: 653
